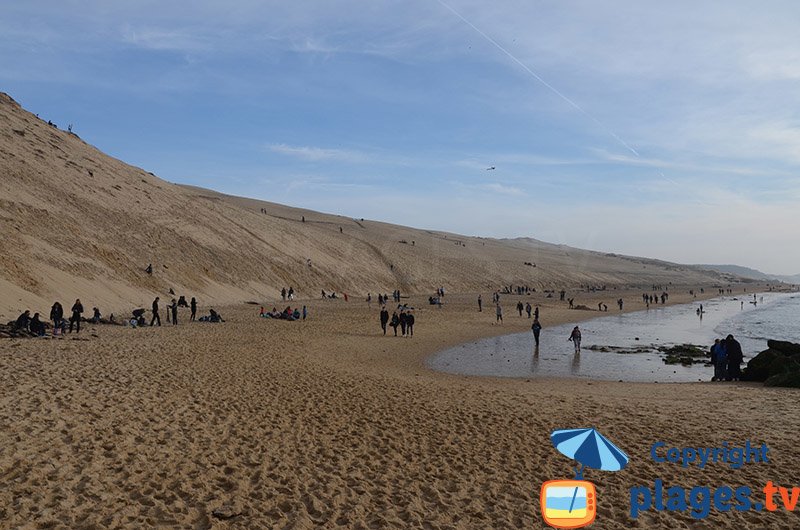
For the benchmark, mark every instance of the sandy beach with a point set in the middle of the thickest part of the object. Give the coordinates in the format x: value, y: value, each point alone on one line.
x: 258, y: 423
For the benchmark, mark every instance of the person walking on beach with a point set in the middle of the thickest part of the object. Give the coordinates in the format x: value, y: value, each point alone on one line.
x: 403, y: 322
x: 174, y: 309
x: 384, y: 319
x: 77, y: 310
x: 520, y: 307
x: 536, y: 313
x: 193, y: 306
x: 536, y: 327
x: 305, y: 312
x: 499, y: 312
x: 283, y: 294
x: 480, y: 304
x: 719, y: 358
x: 575, y: 337
x: 410, y: 324
x: 156, y: 317
x: 528, y: 309
x: 395, y: 322
x: 735, y: 357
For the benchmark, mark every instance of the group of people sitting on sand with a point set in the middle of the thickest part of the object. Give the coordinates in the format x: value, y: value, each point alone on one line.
x: 36, y: 326
x: 333, y: 295
x: 286, y: 314
x: 137, y: 315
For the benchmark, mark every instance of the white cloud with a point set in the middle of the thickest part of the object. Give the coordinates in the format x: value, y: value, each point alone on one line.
x: 316, y: 154
x: 502, y: 189
x: 173, y: 39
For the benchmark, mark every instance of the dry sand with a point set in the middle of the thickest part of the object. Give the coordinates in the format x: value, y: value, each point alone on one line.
x: 327, y: 424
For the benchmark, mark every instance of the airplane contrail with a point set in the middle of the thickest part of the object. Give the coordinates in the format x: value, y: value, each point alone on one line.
x: 536, y: 76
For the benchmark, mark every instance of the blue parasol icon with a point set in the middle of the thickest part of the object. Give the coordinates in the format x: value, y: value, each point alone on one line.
x: 590, y: 449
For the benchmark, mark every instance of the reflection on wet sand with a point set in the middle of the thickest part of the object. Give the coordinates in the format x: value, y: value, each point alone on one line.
x: 575, y: 367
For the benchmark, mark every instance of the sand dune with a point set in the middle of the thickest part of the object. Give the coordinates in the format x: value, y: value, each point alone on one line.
x: 78, y: 223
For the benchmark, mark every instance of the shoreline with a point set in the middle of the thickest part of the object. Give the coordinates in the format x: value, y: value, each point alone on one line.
x: 607, y: 339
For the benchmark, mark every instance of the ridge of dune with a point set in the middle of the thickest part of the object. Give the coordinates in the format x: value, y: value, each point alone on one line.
x: 79, y: 223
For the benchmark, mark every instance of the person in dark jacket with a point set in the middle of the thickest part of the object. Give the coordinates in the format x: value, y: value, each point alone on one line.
x: 56, y: 314
x: 719, y: 358
x: 735, y: 357
x: 193, y: 305
x: 384, y: 319
x: 36, y: 326
x: 24, y: 320
x: 403, y: 322
x: 410, y: 324
x: 536, y: 327
x: 156, y: 317
x: 395, y: 322
x: 77, y: 310
x: 174, y: 309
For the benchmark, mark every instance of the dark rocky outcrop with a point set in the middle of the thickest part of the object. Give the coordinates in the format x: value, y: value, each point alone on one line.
x: 778, y: 365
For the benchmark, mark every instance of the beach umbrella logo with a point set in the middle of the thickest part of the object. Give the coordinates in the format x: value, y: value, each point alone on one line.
x: 573, y: 503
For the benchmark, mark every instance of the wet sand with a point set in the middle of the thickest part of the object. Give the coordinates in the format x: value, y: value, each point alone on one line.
x: 327, y: 424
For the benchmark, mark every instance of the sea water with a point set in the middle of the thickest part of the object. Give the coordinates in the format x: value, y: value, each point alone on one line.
x: 772, y: 316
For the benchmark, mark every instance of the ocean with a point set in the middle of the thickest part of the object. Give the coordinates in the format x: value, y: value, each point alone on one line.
x: 772, y: 316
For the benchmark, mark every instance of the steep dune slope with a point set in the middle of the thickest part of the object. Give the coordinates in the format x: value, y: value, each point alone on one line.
x: 78, y: 223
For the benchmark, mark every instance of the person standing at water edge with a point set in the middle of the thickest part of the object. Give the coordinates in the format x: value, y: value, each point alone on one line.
x: 735, y: 357
x: 536, y: 328
x: 575, y: 337
x: 156, y: 317
x: 719, y: 358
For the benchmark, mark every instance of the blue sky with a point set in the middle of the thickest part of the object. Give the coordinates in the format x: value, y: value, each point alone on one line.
x: 660, y: 129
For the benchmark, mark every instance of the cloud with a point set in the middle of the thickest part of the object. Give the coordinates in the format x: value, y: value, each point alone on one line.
x: 502, y: 189
x: 316, y: 154
x: 172, y: 39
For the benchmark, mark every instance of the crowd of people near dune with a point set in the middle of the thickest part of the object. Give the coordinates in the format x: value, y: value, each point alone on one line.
x: 59, y: 323
x: 398, y: 321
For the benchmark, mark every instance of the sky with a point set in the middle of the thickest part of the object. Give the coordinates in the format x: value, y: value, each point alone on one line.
x: 661, y: 129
